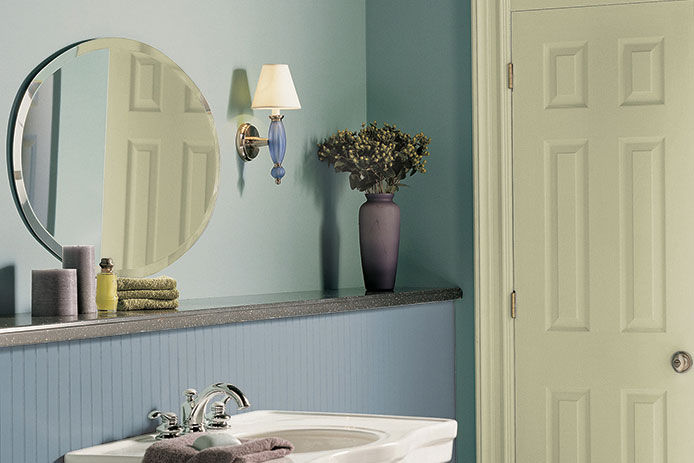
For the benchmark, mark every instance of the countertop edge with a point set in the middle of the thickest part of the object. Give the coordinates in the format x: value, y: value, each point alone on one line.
x: 222, y: 315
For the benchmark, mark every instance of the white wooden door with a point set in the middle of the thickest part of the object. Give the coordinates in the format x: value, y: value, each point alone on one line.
x: 160, y: 163
x: 603, y: 132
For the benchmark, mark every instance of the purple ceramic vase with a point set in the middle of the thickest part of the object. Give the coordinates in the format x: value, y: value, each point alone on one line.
x: 379, y: 239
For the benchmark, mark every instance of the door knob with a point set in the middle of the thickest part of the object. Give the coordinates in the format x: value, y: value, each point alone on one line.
x: 681, y: 361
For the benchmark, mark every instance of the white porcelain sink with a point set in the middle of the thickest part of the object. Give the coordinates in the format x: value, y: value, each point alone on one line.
x: 317, y: 437
x: 322, y: 439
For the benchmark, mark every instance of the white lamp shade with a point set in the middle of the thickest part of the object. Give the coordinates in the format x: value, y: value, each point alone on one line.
x: 275, y: 89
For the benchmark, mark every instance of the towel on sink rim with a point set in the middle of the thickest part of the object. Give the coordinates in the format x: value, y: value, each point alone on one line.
x: 180, y: 450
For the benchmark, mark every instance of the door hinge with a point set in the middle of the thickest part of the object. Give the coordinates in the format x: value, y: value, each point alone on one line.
x: 513, y: 304
x: 509, y: 69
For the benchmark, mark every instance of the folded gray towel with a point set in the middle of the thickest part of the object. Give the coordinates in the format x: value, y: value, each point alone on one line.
x: 180, y: 450
x: 147, y: 304
x: 163, y: 294
x: 129, y: 284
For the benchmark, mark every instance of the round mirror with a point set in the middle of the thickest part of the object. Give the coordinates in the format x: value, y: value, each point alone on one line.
x: 112, y: 144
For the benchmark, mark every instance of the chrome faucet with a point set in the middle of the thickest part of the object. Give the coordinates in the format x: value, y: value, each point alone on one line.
x: 193, y: 418
x: 169, y: 427
x: 193, y: 409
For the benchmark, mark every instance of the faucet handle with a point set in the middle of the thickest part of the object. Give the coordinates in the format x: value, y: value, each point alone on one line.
x: 169, y: 417
x: 191, y: 394
x: 218, y: 418
x: 187, y: 411
x: 169, y: 424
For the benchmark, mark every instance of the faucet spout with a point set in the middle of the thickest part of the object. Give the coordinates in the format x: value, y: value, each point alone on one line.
x: 197, y: 410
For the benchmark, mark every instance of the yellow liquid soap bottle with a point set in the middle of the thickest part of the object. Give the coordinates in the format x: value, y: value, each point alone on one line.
x: 106, y: 294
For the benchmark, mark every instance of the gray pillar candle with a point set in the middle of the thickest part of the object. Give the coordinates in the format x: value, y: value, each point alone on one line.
x: 54, y: 293
x: 81, y: 258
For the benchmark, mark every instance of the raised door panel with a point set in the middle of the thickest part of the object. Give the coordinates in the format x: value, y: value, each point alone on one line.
x: 641, y: 71
x: 642, y: 234
x: 199, y: 169
x: 568, y: 426
x: 566, y: 217
x: 146, y: 83
x: 644, y: 426
x: 565, y: 75
x: 141, y: 200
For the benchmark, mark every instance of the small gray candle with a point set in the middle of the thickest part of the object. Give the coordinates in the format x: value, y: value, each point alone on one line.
x: 54, y: 293
x: 81, y: 258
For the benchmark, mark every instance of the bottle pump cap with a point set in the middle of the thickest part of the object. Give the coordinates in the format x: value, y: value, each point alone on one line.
x: 106, y: 264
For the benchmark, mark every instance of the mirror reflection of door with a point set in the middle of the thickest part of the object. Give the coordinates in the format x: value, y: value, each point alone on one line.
x: 161, y: 164
x: 603, y: 169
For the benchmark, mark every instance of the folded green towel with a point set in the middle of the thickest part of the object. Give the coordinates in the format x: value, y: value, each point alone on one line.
x: 146, y: 304
x: 161, y: 294
x: 130, y: 284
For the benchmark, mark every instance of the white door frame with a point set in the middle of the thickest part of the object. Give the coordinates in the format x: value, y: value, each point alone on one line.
x: 493, y: 220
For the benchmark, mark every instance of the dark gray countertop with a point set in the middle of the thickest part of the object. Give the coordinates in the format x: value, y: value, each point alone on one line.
x: 23, y: 329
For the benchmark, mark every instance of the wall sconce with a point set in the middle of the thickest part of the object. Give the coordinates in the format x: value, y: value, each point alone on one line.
x: 275, y: 91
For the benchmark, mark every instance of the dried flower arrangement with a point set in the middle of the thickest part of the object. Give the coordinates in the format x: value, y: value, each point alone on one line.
x: 377, y: 158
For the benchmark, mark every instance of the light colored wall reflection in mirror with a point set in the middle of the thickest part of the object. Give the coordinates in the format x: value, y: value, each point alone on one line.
x: 119, y: 150
x: 80, y: 159
x: 38, y: 158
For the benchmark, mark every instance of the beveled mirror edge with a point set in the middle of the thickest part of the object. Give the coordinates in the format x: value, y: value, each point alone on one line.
x: 15, y: 132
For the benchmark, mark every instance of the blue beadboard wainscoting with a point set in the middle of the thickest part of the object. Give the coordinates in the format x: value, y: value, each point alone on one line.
x: 69, y: 395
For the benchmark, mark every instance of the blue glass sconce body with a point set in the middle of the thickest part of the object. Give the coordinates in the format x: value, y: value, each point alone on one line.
x: 248, y: 144
x: 277, y: 143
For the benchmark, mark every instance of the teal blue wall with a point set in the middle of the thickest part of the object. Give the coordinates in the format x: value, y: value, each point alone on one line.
x: 262, y: 238
x: 415, y: 57
x: 418, y: 77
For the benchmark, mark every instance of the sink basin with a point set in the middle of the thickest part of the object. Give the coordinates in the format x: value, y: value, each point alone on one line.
x: 317, y: 437
x: 320, y: 440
